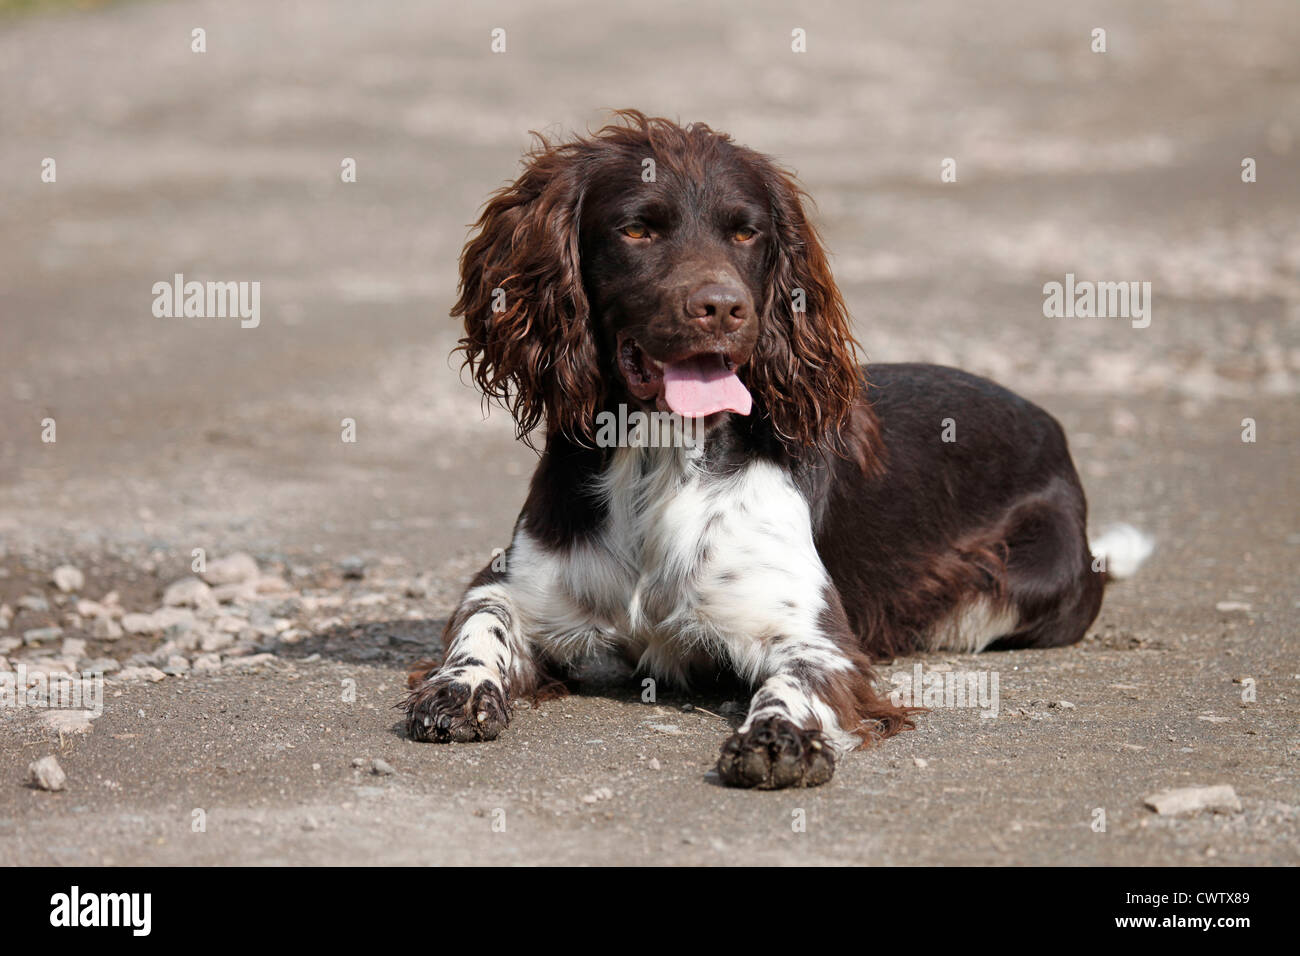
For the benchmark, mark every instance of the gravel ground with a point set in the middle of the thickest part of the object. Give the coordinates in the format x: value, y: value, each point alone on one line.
x: 260, y: 690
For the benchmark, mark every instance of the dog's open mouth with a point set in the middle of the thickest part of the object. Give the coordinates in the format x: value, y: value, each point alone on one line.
x: 693, y: 386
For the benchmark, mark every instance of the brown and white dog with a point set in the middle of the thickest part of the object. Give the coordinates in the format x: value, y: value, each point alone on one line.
x: 792, y: 517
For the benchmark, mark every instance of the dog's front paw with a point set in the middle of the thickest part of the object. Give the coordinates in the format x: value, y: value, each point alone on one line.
x: 774, y: 754
x: 453, y: 706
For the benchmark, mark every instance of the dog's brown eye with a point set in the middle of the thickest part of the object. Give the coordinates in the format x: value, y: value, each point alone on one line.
x: 743, y: 234
x: 636, y: 231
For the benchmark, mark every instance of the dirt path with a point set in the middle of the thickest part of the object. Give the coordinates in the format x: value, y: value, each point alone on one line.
x: 177, y: 434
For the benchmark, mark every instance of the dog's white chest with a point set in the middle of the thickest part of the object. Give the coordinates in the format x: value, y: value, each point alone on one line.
x: 685, y: 561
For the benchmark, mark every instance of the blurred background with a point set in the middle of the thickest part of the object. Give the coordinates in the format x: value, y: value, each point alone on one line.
x: 225, y: 165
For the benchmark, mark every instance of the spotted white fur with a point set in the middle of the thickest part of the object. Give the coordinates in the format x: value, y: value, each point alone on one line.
x: 478, y: 640
x: 688, y: 568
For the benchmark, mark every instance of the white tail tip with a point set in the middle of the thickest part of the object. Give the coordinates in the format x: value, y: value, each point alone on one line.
x: 1121, y: 549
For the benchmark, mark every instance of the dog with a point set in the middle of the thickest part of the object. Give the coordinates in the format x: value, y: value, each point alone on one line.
x: 794, y: 516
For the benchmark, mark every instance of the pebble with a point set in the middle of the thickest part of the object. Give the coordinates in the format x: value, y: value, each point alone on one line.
x: 232, y: 569
x: 67, y: 721
x: 353, y: 568
x: 1191, y: 799
x: 215, y: 641
x: 47, y: 774
x: 1228, y: 606
x: 228, y: 624
x: 252, y: 660
x: 188, y: 592
x: 139, y: 624
x: 920, y: 762
x: 166, y: 617
x: 68, y: 579
x: 152, y: 674
x: 105, y: 629
x: 381, y: 768
x: 89, y: 608
x: 654, y: 763
x: 418, y: 588
x: 38, y: 635
x: 6, y: 616
x: 34, y: 603
x: 237, y: 593
x: 206, y: 664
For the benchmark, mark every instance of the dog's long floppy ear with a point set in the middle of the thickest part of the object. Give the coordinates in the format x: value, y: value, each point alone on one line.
x: 804, y: 370
x: 528, y: 342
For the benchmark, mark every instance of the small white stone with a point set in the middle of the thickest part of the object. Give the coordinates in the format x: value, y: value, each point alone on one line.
x: 68, y: 579
x: 151, y: 674
x: 67, y: 721
x: 206, y: 664
x: 1190, y: 799
x: 47, y: 774
x: 139, y: 624
x: 232, y: 569
x: 215, y: 641
x: 188, y: 592
x: 1229, y: 606
x: 39, y: 635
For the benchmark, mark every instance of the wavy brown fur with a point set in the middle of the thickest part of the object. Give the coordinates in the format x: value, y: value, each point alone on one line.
x: 539, y: 357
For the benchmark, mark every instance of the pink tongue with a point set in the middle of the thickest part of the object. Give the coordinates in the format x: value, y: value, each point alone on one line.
x: 702, y: 385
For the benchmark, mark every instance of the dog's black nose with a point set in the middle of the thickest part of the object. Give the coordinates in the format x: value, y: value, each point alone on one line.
x: 718, y: 308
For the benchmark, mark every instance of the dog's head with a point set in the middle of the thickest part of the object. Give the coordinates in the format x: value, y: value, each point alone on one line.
x: 660, y: 265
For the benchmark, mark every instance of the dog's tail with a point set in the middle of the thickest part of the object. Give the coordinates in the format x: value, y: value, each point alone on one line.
x: 1120, y: 551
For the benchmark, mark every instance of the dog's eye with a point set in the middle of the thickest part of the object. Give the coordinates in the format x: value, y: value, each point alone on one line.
x: 635, y: 231
x: 743, y: 234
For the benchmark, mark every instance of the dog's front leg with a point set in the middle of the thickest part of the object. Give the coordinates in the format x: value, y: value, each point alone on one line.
x: 487, y: 658
x: 816, y: 703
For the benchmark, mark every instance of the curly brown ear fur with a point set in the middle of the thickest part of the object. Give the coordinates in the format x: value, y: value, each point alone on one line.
x: 527, y: 338
x: 805, y: 370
